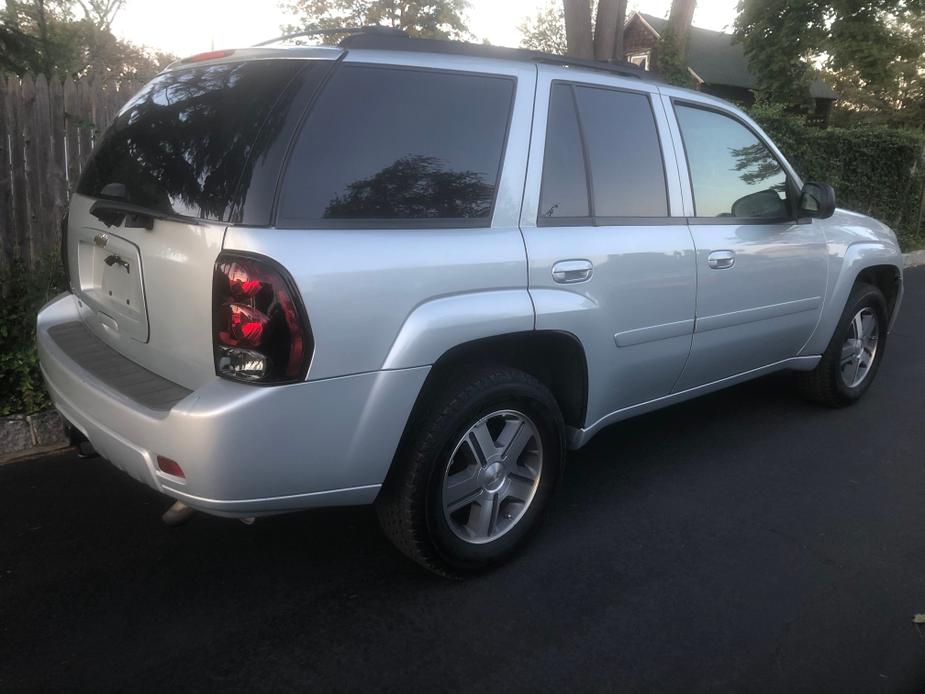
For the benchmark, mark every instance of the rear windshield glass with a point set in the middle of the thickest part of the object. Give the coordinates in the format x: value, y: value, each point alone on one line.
x: 187, y: 142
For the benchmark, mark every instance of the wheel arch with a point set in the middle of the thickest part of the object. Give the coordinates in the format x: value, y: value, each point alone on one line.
x: 872, y: 263
x: 556, y: 359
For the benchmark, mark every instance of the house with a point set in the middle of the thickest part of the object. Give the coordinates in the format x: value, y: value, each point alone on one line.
x: 717, y: 65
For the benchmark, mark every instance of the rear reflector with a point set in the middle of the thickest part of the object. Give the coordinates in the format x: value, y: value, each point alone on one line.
x: 171, y: 467
x: 208, y: 55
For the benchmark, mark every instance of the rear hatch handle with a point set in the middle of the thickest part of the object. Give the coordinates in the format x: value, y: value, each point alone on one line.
x: 114, y: 209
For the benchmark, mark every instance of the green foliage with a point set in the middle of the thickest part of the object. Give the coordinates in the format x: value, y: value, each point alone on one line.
x: 672, y: 64
x: 876, y: 170
x: 23, y: 293
x: 545, y: 31
x: 435, y: 19
x: 49, y: 37
x: 871, y: 51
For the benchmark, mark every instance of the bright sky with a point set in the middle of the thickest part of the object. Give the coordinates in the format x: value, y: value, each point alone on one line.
x: 185, y: 27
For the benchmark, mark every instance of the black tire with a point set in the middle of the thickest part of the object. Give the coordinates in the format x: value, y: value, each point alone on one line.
x: 825, y: 384
x: 410, y: 507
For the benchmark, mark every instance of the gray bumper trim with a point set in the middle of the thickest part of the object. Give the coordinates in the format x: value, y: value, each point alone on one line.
x: 116, y: 371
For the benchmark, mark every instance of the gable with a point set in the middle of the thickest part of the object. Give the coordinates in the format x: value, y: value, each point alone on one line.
x: 713, y: 56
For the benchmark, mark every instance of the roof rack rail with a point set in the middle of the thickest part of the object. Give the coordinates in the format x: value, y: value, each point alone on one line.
x: 350, y: 31
x: 397, y: 40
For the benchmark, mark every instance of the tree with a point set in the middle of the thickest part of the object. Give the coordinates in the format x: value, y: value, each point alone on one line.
x: 672, y: 45
x: 51, y: 37
x: 439, y: 19
x: 565, y: 27
x: 101, y: 12
x: 873, y: 51
x: 545, y: 31
x: 579, y: 37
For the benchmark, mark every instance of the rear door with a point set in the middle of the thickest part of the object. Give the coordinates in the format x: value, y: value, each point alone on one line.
x: 611, y: 259
x: 761, y: 273
x: 197, y: 148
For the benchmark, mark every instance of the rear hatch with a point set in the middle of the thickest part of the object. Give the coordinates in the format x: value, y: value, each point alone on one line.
x: 149, y: 216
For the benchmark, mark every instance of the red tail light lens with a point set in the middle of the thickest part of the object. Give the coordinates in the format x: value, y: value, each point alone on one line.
x: 260, y: 333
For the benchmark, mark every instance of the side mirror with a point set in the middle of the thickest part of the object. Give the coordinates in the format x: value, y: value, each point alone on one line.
x: 817, y: 200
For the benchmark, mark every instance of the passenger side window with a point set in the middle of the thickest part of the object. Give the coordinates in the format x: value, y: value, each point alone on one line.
x: 627, y: 172
x: 733, y: 173
x: 565, y: 181
x: 611, y: 135
x: 400, y: 146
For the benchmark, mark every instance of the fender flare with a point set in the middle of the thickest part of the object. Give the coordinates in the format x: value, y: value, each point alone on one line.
x: 858, y: 257
x: 438, y: 325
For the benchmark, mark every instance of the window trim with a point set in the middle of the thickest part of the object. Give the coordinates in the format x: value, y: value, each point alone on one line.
x: 393, y: 223
x: 697, y: 220
x: 595, y: 220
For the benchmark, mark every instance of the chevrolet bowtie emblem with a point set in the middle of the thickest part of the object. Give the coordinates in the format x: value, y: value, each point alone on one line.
x: 101, y: 239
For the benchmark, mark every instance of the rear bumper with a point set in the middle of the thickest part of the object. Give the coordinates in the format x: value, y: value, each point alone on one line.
x: 245, y: 450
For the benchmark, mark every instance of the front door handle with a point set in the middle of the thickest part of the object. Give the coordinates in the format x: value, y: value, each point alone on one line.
x: 721, y: 260
x: 572, y: 271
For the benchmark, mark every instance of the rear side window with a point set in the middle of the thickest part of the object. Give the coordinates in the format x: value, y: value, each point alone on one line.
x: 406, y: 147
x: 733, y: 173
x: 565, y: 181
x: 626, y: 159
x: 186, y: 144
x: 612, y: 136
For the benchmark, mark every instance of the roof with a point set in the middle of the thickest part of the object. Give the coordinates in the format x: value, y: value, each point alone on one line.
x: 717, y: 60
x: 396, y: 40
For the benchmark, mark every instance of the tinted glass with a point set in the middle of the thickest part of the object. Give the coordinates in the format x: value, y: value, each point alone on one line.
x: 565, y: 183
x: 732, y: 172
x: 627, y: 174
x: 394, y: 144
x: 187, y: 142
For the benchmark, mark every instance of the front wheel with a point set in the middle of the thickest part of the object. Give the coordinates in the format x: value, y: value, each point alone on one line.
x: 476, y: 473
x: 852, y: 359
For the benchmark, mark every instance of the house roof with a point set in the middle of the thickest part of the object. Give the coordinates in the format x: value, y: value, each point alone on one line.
x: 717, y: 60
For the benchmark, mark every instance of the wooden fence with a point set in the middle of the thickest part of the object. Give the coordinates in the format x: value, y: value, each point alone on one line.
x: 47, y: 130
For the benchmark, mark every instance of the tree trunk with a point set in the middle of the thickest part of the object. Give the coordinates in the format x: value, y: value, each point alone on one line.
x: 608, y: 29
x: 679, y: 22
x: 578, y: 28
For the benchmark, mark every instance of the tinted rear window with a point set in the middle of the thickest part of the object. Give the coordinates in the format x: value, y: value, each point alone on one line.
x: 627, y: 172
x: 565, y: 183
x: 394, y: 144
x: 187, y: 142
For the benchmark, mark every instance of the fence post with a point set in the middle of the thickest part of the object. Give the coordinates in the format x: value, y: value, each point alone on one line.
x: 6, y: 183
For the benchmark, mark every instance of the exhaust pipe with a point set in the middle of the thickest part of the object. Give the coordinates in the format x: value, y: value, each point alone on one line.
x: 76, y: 438
x: 177, y: 515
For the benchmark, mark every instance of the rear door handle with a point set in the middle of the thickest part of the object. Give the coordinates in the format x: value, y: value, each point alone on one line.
x: 572, y: 271
x: 721, y: 260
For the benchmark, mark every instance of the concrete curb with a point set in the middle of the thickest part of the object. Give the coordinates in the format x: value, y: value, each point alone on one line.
x: 914, y: 259
x: 22, y: 436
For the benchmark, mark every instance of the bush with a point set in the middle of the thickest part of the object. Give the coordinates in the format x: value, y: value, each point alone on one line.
x: 23, y: 293
x: 875, y: 170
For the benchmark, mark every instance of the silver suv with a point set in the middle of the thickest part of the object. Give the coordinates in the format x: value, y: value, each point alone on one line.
x: 414, y: 273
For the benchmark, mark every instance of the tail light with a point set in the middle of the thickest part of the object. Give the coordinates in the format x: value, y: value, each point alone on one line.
x: 260, y: 333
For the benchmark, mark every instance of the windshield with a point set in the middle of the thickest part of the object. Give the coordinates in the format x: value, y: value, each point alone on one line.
x: 187, y: 142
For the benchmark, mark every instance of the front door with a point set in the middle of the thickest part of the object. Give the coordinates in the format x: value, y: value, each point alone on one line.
x: 607, y: 260
x: 761, y: 274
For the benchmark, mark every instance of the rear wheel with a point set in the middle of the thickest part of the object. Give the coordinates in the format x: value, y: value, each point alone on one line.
x: 852, y: 359
x: 475, y: 475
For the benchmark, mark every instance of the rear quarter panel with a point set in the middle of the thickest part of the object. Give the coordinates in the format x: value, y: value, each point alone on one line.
x: 399, y: 298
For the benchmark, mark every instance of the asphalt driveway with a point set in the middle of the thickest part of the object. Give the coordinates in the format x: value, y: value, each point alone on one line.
x: 746, y: 541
